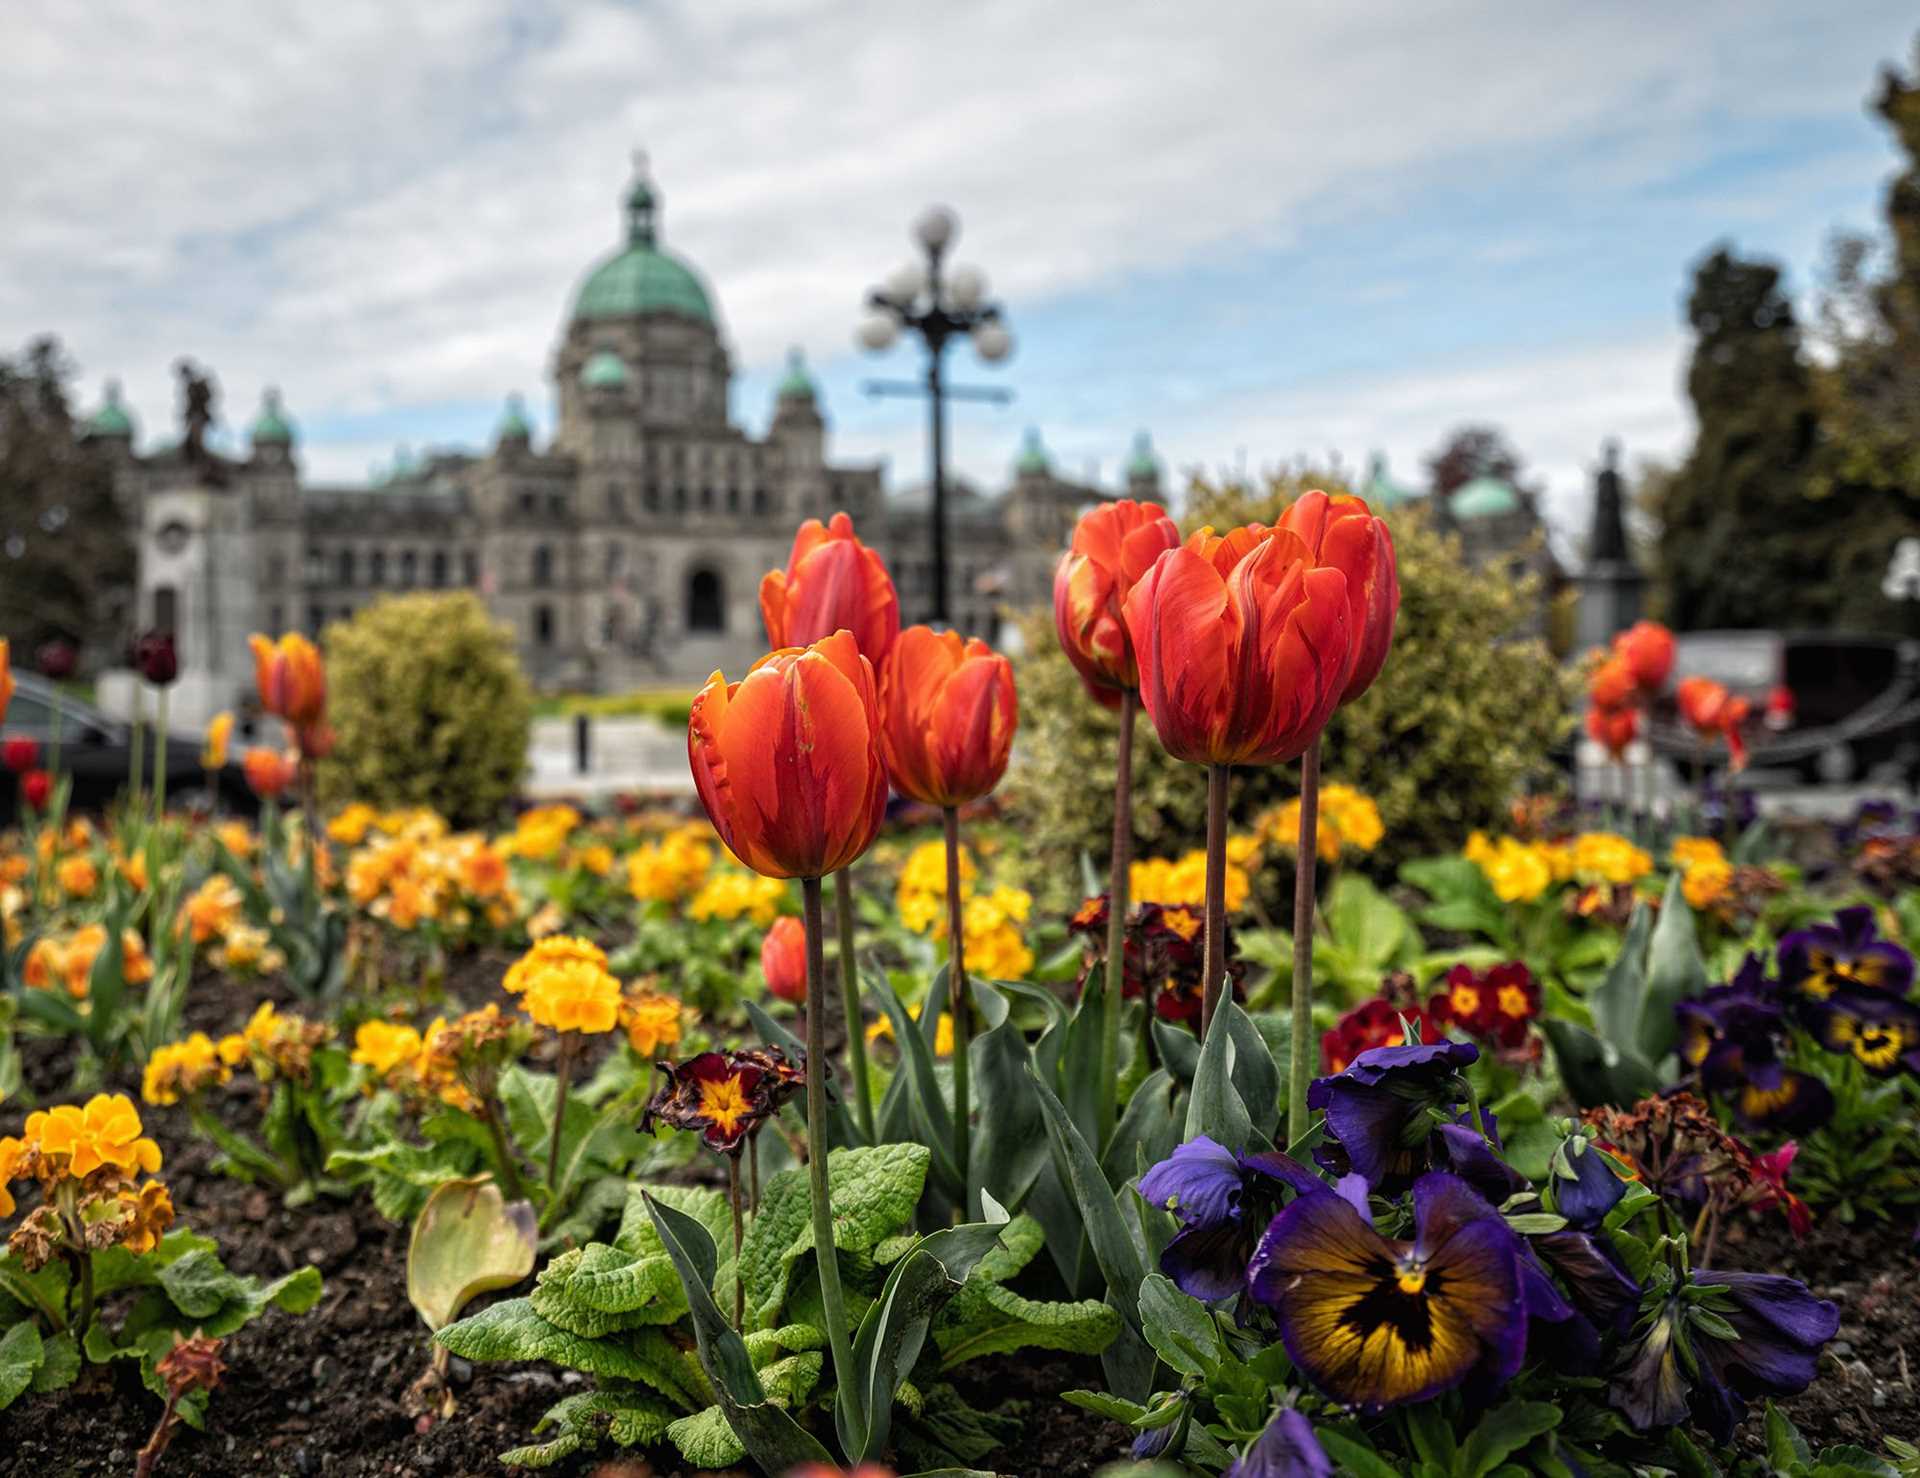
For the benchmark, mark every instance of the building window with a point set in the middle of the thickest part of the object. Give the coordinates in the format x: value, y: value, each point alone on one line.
x: 679, y: 500
x: 345, y: 563
x: 526, y: 502
x: 616, y: 560
x: 377, y: 567
x: 470, y: 568
x: 543, y: 626
x: 760, y: 501
x: 733, y: 500
x: 617, y: 502
x: 650, y: 497
x: 542, y: 566
x: 276, y: 619
x: 557, y: 505
x: 706, y: 602
x: 316, y: 618
x: 438, y: 566
x: 276, y: 569
x: 166, y: 609
x: 706, y: 500
x: 409, y: 569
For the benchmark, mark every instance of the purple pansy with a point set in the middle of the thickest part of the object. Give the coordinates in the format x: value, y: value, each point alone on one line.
x: 1583, y: 1183
x: 1223, y: 1201
x: 1781, y: 1328
x: 1378, y: 1118
x: 1847, y: 954
x: 1287, y: 1449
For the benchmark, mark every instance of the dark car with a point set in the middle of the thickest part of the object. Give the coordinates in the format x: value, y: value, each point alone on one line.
x: 96, y: 751
x: 1830, y: 706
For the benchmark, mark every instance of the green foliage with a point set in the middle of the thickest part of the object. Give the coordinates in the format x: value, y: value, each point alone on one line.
x: 440, y: 723
x: 1462, y: 718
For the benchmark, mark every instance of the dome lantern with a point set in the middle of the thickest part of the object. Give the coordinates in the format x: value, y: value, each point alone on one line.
x: 1032, y: 461
x: 1142, y: 465
x: 513, y: 421
x: 272, y: 427
x: 112, y: 419
x: 797, y: 384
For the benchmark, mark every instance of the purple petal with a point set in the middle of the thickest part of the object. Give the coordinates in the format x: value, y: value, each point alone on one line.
x: 1601, y: 1288
x: 1287, y: 1449
x: 1198, y: 1182
x: 1467, y: 1155
x: 1377, y: 1064
x: 1209, y: 1262
x: 1594, y: 1188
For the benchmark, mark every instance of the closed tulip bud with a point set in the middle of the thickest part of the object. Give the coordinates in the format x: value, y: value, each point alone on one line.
x: 1646, y: 648
x: 1613, y: 729
x: 56, y: 659
x: 1113, y: 546
x: 1712, y: 711
x: 35, y: 787
x: 948, y: 713
x: 832, y: 582
x: 783, y: 959
x: 6, y: 678
x: 1611, y: 685
x: 1242, y: 641
x: 213, y: 748
x: 1343, y: 533
x: 315, y: 741
x: 787, y: 760
x: 291, y: 678
x: 156, y: 658
x: 270, y: 774
x: 19, y: 754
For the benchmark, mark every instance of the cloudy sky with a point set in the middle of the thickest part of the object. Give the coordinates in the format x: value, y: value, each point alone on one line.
x: 1259, y: 230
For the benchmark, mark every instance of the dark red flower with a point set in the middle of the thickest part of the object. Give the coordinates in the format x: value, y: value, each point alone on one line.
x: 1375, y: 1023
x: 36, y: 786
x: 56, y: 659
x: 156, y: 658
x: 19, y: 754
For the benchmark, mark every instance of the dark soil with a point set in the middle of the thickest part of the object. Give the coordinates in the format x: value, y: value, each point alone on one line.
x: 327, y: 1392
x: 1866, y: 1391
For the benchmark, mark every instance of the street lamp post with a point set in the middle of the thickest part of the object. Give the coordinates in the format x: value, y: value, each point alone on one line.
x: 939, y: 308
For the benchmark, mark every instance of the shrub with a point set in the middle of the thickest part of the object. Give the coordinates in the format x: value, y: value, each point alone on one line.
x: 1461, y: 719
x: 429, y: 707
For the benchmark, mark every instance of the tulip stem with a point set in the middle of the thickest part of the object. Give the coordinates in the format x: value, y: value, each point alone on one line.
x: 1216, y: 940
x: 739, y: 1281
x: 957, y: 998
x: 160, y: 757
x: 1306, y: 856
x: 829, y: 1265
x: 1117, y: 905
x: 850, y: 997
x: 562, y: 1073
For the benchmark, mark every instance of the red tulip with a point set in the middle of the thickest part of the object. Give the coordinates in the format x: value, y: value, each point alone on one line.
x: 832, y: 581
x: 36, y: 786
x: 291, y: 678
x: 1712, y: 711
x: 948, y: 713
x: 1113, y: 546
x: 1612, y: 684
x: 157, y: 658
x: 270, y: 773
x: 1243, y: 646
x: 787, y: 760
x: 1342, y: 532
x: 1647, y: 649
x: 1613, y: 728
x: 783, y: 959
x: 19, y: 754
x: 57, y: 659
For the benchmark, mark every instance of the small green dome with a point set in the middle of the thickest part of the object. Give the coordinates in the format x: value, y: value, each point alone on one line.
x: 271, y: 427
x: 1380, y: 490
x: 604, y: 370
x: 1484, y: 497
x: 796, y: 384
x: 1142, y: 462
x: 513, y: 422
x: 112, y: 418
x: 642, y: 278
x: 1033, y: 455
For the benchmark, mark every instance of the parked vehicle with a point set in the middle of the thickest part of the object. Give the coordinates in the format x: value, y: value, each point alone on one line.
x: 1831, y: 706
x: 95, y: 751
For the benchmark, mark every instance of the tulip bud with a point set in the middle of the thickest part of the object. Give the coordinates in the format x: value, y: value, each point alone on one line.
x: 19, y: 754
x: 1344, y: 534
x: 35, y: 787
x: 270, y: 774
x: 1243, y: 646
x: 1646, y: 648
x: 56, y: 659
x: 1613, y: 728
x: 156, y: 658
x: 832, y: 582
x: 291, y: 678
x: 787, y: 760
x: 948, y: 713
x: 1714, y: 712
x: 1113, y: 546
x: 1612, y: 684
x: 783, y: 959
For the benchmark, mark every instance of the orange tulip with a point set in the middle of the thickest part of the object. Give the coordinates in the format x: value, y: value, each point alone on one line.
x: 832, y: 581
x: 1646, y: 648
x: 787, y: 760
x: 6, y: 678
x: 270, y: 773
x: 1611, y: 685
x: 1712, y: 711
x: 1343, y: 532
x: 1613, y: 728
x: 1243, y: 646
x: 783, y: 959
x: 1113, y: 546
x: 947, y: 716
x: 291, y: 678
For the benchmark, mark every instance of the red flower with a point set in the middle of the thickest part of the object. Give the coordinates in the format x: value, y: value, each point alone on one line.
x: 1375, y: 1023
x: 1711, y: 710
x: 1497, y: 1006
x: 783, y: 959
x: 947, y: 716
x: 156, y: 658
x: 57, y: 659
x: 1613, y: 729
x: 1343, y: 534
x: 36, y: 786
x: 1647, y: 650
x: 1114, y: 545
x: 832, y: 582
x: 19, y: 754
x: 1611, y: 685
x: 1771, y: 1171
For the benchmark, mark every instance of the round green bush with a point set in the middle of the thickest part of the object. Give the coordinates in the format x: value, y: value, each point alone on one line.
x: 429, y: 708
x: 1461, y: 720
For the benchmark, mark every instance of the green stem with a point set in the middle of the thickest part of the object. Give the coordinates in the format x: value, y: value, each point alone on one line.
x: 1214, y: 972
x: 510, y: 1181
x: 739, y: 1281
x: 1117, y: 904
x: 159, y: 756
x: 1306, y: 858
x: 829, y: 1264
x: 79, y: 1256
x: 957, y: 1001
x: 135, y: 767
x: 850, y: 999
x: 562, y: 1072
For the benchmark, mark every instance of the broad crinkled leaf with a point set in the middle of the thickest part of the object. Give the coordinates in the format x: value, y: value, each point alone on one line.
x: 511, y: 1330
x: 704, y: 1204
x: 705, y: 1440
x: 987, y: 1319
x: 21, y: 1354
x: 597, y: 1290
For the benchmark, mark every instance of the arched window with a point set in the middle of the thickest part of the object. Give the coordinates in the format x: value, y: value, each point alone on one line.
x: 679, y: 500
x: 542, y: 566
x: 409, y: 568
x: 439, y: 568
x: 166, y: 609
x: 543, y: 626
x: 346, y: 567
x: 469, y: 568
x: 733, y: 500
x: 760, y: 501
x: 706, y: 602
x: 377, y: 567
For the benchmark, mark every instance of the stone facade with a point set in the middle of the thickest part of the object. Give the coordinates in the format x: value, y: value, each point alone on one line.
x: 626, y: 553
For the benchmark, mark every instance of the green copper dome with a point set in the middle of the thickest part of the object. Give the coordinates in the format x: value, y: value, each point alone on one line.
x: 1142, y: 462
x: 642, y: 278
x: 112, y: 418
x: 796, y: 384
x: 1484, y: 497
x: 604, y: 370
x: 513, y: 423
x: 1033, y: 455
x: 272, y: 426
x: 1380, y: 490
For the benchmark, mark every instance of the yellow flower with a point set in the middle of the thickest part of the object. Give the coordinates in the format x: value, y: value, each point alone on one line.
x: 134, y: 870
x: 547, y: 920
x: 232, y: 1048
x: 384, y: 1046
x: 351, y: 826
x: 78, y: 876
x: 1706, y: 882
x: 652, y: 1020
x: 248, y: 951
x: 12, y: 1152
x: 1518, y: 872
x: 213, y: 752
x: 542, y: 832
x: 212, y: 908
x: 942, y: 1033
x: 1184, y: 883
x: 597, y: 859
x: 150, y: 1213
x: 1605, y: 857
x: 236, y: 837
x: 573, y: 996
x: 555, y: 950
x: 179, y: 1070
x: 1353, y: 815
x: 45, y: 966
x: 105, y: 1132
x: 732, y: 895
x: 669, y: 870
x: 1691, y: 851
